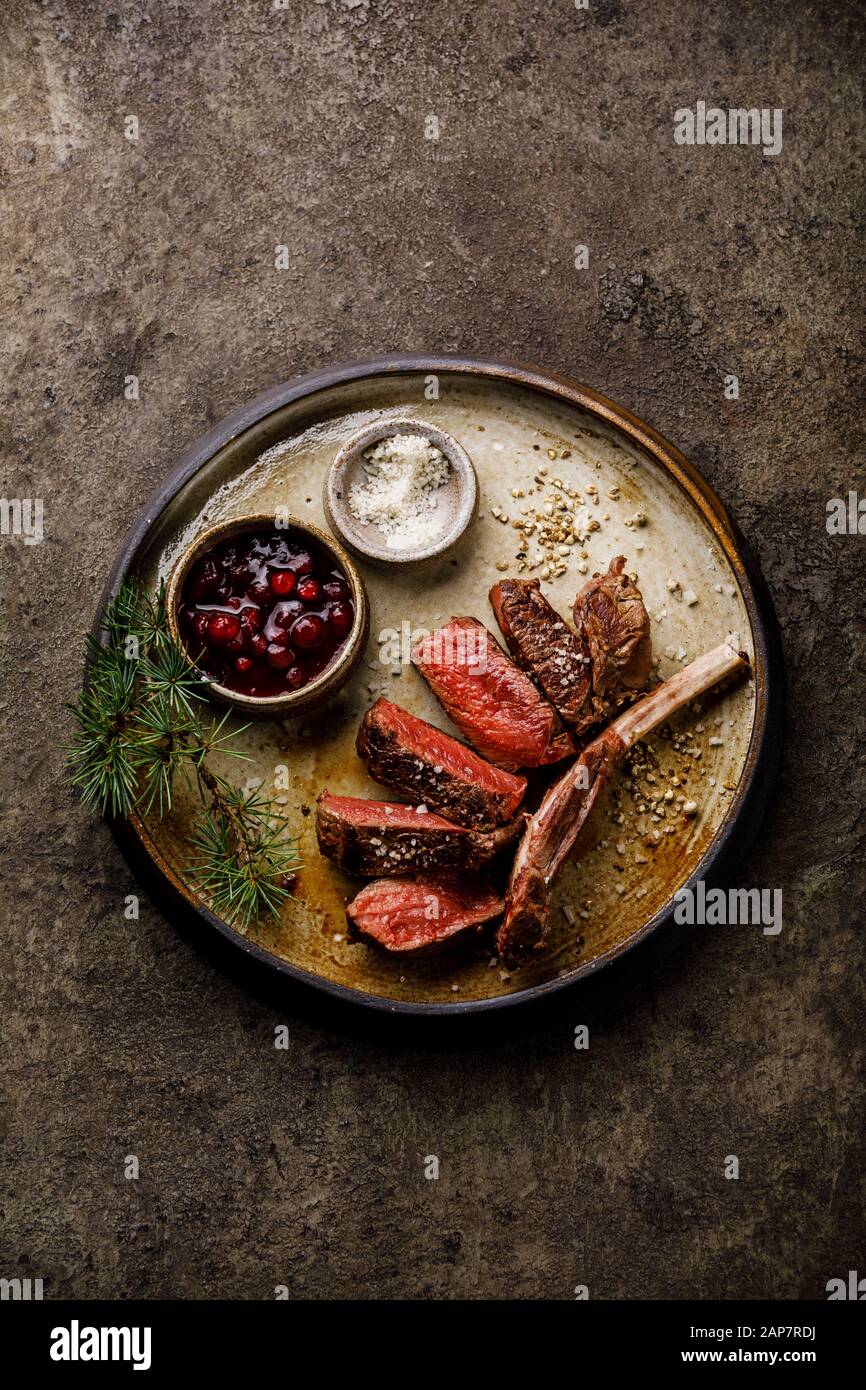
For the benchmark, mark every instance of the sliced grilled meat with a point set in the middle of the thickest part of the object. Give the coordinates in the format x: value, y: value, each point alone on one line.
x: 386, y: 838
x: 423, y: 913
x: 543, y: 644
x: 610, y: 614
x: 492, y: 702
x: 552, y: 832
x: 432, y: 769
x: 586, y: 673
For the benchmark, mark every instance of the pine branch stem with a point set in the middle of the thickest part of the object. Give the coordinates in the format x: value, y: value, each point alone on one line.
x: 234, y: 822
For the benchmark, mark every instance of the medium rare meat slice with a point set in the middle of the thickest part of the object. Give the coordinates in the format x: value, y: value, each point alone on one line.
x: 552, y: 832
x: 373, y: 838
x: 434, y: 770
x: 419, y: 914
x: 492, y: 702
x: 543, y: 644
x: 609, y: 612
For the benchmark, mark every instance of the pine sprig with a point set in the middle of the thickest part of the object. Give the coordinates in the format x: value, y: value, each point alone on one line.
x: 245, y: 864
x: 140, y: 725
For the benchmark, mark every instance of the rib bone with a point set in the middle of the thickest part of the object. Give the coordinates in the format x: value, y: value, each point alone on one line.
x: 553, y: 831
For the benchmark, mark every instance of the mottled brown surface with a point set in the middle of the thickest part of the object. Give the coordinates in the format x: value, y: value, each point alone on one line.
x: 305, y: 1167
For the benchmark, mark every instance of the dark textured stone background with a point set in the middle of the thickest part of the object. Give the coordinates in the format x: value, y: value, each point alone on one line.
x: 156, y: 258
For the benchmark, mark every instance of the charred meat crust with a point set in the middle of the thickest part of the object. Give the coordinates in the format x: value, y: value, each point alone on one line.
x: 585, y: 673
x: 429, y: 767
x: 542, y: 643
x: 373, y: 839
x: 609, y: 612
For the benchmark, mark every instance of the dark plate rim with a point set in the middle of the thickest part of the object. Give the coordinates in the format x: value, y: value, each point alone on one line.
x: 748, y: 803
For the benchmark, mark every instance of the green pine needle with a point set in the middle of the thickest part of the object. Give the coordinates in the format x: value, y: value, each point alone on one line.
x: 140, y: 724
x: 245, y: 863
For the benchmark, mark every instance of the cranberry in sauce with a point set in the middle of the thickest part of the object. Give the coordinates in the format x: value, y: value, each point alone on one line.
x: 337, y: 589
x: 204, y: 578
x: 279, y: 656
x: 259, y: 592
x: 283, y: 582
x: 283, y: 616
x: 340, y: 618
x: 310, y: 590
x: 309, y: 631
x: 264, y: 614
x: 222, y: 628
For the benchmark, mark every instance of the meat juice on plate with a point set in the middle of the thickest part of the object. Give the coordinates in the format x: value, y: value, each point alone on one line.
x: 264, y: 614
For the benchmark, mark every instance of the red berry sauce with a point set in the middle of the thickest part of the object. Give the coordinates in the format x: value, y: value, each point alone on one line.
x: 264, y: 614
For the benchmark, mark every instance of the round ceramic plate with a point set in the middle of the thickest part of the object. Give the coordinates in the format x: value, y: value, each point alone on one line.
x: 514, y: 422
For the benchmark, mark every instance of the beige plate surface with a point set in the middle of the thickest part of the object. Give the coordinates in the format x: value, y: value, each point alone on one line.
x: 631, y: 868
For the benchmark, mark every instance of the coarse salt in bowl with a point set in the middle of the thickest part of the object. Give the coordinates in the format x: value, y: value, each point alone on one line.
x: 401, y: 492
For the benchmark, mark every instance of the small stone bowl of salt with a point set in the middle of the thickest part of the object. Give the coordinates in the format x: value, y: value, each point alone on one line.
x: 401, y: 492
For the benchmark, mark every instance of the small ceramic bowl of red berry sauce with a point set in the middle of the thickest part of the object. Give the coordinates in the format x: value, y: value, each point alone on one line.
x: 277, y: 618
